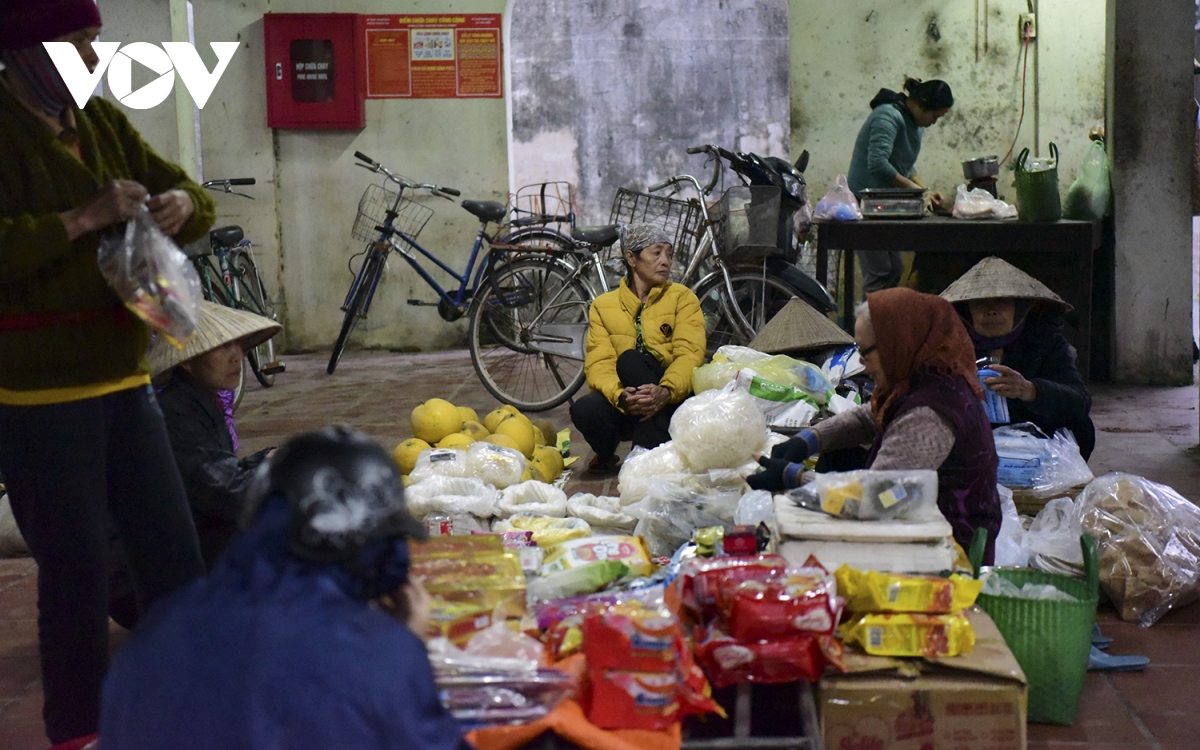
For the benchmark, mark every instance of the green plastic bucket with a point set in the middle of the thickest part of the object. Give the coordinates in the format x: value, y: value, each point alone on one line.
x: 1050, y: 639
x: 1037, y: 192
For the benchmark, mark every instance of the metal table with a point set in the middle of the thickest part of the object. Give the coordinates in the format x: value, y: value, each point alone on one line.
x: 1059, y: 254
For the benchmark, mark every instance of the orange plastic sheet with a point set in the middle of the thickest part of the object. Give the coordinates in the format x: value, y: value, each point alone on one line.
x: 569, y: 722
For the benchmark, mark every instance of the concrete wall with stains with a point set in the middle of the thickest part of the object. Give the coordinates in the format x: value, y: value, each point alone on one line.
x: 843, y: 53
x: 610, y: 93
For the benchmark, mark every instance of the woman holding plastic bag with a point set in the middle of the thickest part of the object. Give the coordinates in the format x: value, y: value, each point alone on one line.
x: 925, y: 412
x: 1017, y: 321
x: 82, y: 442
x: 644, y: 340
x: 885, y: 156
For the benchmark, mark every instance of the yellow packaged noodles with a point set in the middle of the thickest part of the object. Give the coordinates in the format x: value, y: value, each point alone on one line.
x: 872, y: 591
x: 910, y: 634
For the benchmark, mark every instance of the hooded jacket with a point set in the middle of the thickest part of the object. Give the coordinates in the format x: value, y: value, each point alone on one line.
x: 270, y: 651
x: 672, y: 330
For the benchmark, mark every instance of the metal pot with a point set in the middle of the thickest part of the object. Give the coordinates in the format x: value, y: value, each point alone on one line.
x: 984, y: 166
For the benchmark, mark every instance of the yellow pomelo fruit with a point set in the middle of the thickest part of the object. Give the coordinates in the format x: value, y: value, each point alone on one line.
x: 503, y: 441
x: 474, y: 430
x: 550, y: 457
x: 511, y: 410
x: 539, y: 440
x: 455, y: 440
x: 404, y: 478
x: 492, y: 420
x: 539, y: 471
x: 549, y: 434
x: 467, y: 413
x: 521, y: 433
x: 526, y: 475
x: 406, y: 454
x: 435, y: 419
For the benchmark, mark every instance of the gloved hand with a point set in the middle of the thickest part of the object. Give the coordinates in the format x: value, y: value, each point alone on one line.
x: 771, y: 476
x: 795, y: 449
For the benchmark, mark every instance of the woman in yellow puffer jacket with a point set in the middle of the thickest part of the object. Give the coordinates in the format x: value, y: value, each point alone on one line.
x: 644, y: 340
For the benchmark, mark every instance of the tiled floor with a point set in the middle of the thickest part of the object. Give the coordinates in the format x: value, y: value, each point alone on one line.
x: 1152, y: 432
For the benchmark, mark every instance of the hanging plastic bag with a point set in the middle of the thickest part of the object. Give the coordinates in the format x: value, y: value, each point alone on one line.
x: 152, y: 277
x: 1089, y: 195
x: 980, y: 204
x: 839, y: 204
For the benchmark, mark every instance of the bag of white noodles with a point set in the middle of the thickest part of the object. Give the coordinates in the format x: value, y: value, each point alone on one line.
x: 718, y: 429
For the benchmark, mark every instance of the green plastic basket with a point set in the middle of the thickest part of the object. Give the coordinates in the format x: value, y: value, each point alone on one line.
x: 1050, y: 639
x: 1037, y: 192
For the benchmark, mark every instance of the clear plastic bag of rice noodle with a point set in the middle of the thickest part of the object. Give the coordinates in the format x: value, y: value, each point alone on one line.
x: 720, y: 429
x: 1148, y: 541
x: 868, y: 495
x: 495, y: 464
x: 152, y: 277
x: 642, y: 466
x: 442, y: 462
x: 465, y: 499
x: 531, y: 498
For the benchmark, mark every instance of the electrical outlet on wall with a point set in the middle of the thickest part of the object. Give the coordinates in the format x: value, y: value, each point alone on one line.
x: 1027, y: 21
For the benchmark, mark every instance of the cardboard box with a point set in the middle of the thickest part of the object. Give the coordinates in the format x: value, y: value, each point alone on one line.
x: 978, y: 701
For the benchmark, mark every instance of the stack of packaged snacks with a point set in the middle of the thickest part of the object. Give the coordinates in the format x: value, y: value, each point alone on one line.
x: 469, y: 578
x: 902, y: 615
x: 758, y: 620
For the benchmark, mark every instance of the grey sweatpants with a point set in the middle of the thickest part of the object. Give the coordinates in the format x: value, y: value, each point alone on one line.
x: 881, y: 269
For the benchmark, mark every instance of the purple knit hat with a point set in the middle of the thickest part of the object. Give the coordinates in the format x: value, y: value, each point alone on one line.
x: 28, y: 23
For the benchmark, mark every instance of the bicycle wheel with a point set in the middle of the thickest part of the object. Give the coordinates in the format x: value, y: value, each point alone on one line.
x: 356, y: 309
x: 756, y: 295
x: 252, y: 296
x: 527, y: 330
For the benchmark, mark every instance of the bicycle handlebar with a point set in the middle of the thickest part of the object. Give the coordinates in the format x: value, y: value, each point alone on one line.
x: 375, y: 166
x: 449, y: 191
x: 363, y: 157
x: 226, y: 186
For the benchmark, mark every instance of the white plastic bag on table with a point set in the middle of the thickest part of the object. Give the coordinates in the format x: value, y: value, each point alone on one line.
x: 872, y: 495
x: 603, y: 513
x: 1148, y: 542
x: 465, y: 499
x: 642, y: 466
x: 1052, y: 541
x: 718, y: 429
x: 980, y: 204
x: 495, y: 464
x: 152, y: 277
x: 755, y: 507
x: 1010, y: 552
x: 1062, y: 466
x: 532, y: 498
x: 839, y: 204
x: 444, y: 462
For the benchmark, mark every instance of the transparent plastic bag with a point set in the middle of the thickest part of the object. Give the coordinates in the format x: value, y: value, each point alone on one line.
x: 532, y: 498
x: 755, y: 507
x: 1062, y: 466
x: 872, y: 495
x: 1052, y: 541
x: 495, y: 464
x: 1010, y: 552
x: 839, y: 204
x: 443, y: 462
x: 1020, y: 450
x: 670, y: 514
x: 714, y: 375
x: 602, y: 513
x: 547, y: 531
x: 454, y: 496
x: 643, y: 466
x: 980, y: 204
x: 502, y: 641
x: 1090, y: 194
x: 718, y: 429
x: 1148, y: 541
x: 152, y: 277
x: 997, y: 585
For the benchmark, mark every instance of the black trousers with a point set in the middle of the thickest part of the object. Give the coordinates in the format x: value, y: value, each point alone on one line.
x: 74, y: 471
x: 604, y: 426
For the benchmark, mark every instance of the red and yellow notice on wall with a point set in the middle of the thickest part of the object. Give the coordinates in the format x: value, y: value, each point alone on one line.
x: 433, y: 57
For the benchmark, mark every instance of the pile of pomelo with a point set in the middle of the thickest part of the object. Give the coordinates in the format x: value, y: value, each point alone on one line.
x: 437, y: 423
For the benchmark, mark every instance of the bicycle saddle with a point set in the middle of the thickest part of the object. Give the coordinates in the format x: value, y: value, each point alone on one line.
x: 602, y: 236
x: 226, y: 236
x: 486, y: 210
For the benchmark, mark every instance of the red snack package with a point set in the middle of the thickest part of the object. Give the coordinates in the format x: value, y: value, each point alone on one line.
x: 699, y: 578
x: 726, y: 660
x: 632, y: 638
x: 634, y: 700
x: 802, y: 600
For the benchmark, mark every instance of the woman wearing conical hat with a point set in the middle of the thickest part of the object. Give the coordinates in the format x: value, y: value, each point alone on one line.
x: 1015, y: 319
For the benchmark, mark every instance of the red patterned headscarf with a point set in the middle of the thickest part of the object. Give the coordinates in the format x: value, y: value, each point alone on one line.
x: 915, y: 332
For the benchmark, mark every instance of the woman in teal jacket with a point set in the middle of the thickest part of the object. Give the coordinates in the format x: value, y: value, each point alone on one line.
x: 885, y: 156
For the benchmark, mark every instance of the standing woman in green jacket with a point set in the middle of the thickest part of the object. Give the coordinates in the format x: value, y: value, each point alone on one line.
x: 644, y: 339
x: 83, y: 447
x: 885, y: 156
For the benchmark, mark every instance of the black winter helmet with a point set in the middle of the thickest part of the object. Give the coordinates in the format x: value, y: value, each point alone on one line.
x: 345, y: 492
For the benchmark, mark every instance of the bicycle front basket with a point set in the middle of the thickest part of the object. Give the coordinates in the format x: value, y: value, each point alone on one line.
x: 680, y: 219
x: 754, y: 227
x: 411, y: 217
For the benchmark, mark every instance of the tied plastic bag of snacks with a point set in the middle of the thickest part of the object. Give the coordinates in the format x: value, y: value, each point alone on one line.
x: 872, y: 591
x: 980, y: 204
x: 152, y: 277
x: 444, y: 462
x: 910, y: 634
x: 495, y: 464
x: 872, y: 495
x: 1148, y: 540
x: 839, y: 204
x: 718, y: 429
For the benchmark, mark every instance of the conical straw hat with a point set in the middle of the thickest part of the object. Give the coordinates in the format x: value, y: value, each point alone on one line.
x: 798, y: 326
x: 218, y: 326
x: 992, y: 278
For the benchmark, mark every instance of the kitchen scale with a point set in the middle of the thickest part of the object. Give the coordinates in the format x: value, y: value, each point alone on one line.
x: 893, y: 203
